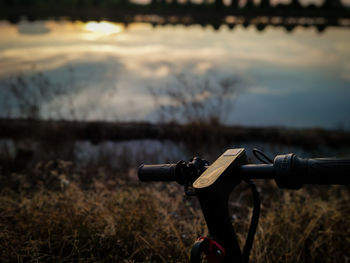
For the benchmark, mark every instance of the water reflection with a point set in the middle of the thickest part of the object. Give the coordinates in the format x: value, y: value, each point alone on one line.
x: 299, y: 80
x: 104, y: 27
x: 126, y: 154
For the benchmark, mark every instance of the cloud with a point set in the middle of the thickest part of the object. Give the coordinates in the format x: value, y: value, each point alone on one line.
x: 263, y: 90
x: 33, y: 28
x: 202, y: 67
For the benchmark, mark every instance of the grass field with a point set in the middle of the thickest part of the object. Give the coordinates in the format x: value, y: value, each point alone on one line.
x: 56, y: 212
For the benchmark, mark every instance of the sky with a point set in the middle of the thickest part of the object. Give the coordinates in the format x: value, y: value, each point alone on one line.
x: 300, y: 79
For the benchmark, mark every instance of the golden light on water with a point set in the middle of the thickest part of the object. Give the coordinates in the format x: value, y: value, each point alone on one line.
x: 104, y: 27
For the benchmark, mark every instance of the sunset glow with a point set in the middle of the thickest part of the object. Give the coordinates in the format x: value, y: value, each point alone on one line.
x: 105, y: 28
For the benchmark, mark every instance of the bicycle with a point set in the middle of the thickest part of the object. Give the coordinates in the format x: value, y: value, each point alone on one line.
x: 212, y: 184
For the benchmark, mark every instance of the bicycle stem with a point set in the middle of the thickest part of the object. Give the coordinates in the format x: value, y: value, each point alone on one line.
x: 214, y: 204
x: 213, y: 188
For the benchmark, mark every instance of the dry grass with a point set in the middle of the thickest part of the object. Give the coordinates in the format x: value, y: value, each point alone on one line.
x: 123, y: 225
x: 96, y: 220
x: 100, y: 220
x: 304, y: 227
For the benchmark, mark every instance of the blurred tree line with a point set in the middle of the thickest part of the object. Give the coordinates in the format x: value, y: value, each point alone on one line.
x: 63, y: 3
x: 264, y: 4
x: 206, y: 12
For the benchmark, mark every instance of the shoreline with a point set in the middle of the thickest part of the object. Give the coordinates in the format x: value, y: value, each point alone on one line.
x: 99, y: 131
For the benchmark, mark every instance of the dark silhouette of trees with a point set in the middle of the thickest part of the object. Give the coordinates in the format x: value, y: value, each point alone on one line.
x: 295, y: 4
x: 231, y: 26
x: 289, y: 28
x: 332, y: 4
x: 265, y: 4
x: 28, y: 2
x: 260, y: 27
x: 174, y: 3
x: 321, y: 28
x: 234, y: 4
x: 199, y: 13
x: 219, y: 4
x: 250, y: 4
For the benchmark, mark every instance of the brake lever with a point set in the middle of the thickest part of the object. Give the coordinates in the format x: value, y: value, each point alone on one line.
x: 190, y: 172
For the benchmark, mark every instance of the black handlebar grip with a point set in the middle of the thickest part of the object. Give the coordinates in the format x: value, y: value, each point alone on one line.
x: 292, y: 172
x: 157, y: 172
x: 323, y: 170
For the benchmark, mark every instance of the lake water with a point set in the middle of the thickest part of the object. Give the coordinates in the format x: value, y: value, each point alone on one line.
x: 105, y: 70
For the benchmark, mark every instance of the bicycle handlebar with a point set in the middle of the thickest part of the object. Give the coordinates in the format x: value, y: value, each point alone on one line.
x: 157, y: 172
x: 289, y: 171
x: 292, y: 171
x: 213, y: 184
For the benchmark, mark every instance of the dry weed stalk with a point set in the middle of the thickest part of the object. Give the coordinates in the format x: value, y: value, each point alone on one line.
x: 196, y: 101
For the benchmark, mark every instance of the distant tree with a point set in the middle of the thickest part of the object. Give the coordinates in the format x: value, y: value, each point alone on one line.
x: 231, y: 26
x: 81, y: 3
x: 207, y: 2
x: 265, y: 3
x: 216, y: 26
x: 332, y: 4
x: 250, y: 4
x: 96, y: 2
x: 234, y: 3
x: 13, y: 19
x: 9, y: 2
x: 321, y: 28
x: 260, y: 27
x: 246, y: 23
x: 289, y: 28
x: 28, y: 2
x: 219, y: 4
x: 295, y: 3
x: 203, y: 23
